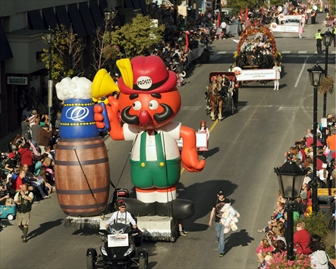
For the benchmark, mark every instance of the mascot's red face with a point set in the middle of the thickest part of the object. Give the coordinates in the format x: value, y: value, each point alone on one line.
x: 153, y: 100
x: 149, y: 111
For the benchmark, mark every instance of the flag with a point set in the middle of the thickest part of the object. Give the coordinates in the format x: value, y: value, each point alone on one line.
x: 203, y: 7
x: 187, y: 40
x: 218, y: 19
x: 246, y: 13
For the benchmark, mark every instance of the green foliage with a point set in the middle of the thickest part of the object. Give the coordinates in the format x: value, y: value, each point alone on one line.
x: 136, y: 38
x: 66, y: 52
x: 332, y: 7
x: 236, y: 5
x: 316, y: 224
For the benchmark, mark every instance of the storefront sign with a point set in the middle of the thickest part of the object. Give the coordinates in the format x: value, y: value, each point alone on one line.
x: 255, y: 74
x: 17, y: 80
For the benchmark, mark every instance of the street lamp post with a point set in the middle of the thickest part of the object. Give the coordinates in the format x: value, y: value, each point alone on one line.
x: 315, y: 75
x: 50, y: 37
x: 327, y: 41
x: 290, y: 178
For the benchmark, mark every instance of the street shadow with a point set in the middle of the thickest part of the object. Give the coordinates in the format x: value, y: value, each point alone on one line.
x: 210, y: 152
x: 202, y: 203
x: 238, y: 239
x: 87, y: 231
x: 282, y: 86
x: 44, y: 227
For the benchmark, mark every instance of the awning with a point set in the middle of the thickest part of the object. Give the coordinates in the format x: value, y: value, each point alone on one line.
x: 63, y: 17
x: 87, y: 18
x: 36, y: 20
x: 136, y: 4
x: 128, y: 4
x: 77, y: 21
x: 96, y: 14
x: 103, y: 5
x: 49, y: 17
x: 5, y: 50
x: 143, y: 7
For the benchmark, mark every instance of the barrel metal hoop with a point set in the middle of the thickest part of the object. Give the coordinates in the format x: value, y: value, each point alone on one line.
x: 76, y: 207
x: 79, y: 140
x: 75, y: 163
x: 80, y: 147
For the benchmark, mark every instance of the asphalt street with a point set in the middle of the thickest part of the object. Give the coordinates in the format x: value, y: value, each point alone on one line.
x: 244, y: 149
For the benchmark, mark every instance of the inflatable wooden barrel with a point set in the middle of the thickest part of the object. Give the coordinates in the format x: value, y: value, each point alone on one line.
x: 82, y: 176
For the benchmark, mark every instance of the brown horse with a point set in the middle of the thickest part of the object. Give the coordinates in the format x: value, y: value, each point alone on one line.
x: 216, y: 98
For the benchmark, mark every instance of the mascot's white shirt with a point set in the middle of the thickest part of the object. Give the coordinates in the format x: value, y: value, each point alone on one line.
x: 170, y: 133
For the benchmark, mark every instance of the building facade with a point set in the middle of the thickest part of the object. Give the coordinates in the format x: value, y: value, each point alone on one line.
x: 23, y: 76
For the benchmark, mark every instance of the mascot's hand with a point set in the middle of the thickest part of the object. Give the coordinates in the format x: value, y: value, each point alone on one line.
x: 98, y: 115
x: 111, y: 109
x: 189, y: 155
x: 192, y: 164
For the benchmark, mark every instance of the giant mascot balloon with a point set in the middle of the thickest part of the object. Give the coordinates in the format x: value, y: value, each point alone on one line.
x: 148, y: 103
x: 81, y: 163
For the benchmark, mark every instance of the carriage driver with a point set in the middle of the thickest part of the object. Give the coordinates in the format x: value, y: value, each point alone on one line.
x: 121, y: 216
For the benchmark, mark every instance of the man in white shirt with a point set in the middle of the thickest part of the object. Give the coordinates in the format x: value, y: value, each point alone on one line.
x: 223, y: 26
x: 121, y: 216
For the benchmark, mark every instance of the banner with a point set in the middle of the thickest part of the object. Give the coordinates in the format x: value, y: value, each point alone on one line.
x: 254, y: 74
x: 209, y: 5
x: 182, y: 10
x: 285, y: 28
x: 289, y: 18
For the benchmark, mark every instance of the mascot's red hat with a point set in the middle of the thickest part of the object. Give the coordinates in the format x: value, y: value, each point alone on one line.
x: 150, y: 76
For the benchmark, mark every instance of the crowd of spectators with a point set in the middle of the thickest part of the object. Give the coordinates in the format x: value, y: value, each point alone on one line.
x: 301, y: 153
x: 183, y: 38
x: 30, y: 158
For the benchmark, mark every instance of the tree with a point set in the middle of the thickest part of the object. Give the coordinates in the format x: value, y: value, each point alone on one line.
x: 137, y: 38
x: 103, y: 53
x: 237, y: 4
x: 66, y: 52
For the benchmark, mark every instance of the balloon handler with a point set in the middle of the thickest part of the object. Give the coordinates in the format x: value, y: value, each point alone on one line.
x: 148, y: 103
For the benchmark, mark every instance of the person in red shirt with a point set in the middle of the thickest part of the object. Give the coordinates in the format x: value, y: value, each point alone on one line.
x: 302, y: 239
x: 26, y: 155
x: 331, y: 143
x: 16, y: 185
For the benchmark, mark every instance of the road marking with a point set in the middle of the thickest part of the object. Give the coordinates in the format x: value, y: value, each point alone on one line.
x: 221, y: 52
x: 193, y: 108
x: 285, y: 52
x: 299, y: 77
x: 302, y: 52
x: 333, y: 52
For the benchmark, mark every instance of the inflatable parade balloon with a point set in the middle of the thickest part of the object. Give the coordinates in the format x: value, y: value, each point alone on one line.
x: 148, y: 103
x: 81, y: 163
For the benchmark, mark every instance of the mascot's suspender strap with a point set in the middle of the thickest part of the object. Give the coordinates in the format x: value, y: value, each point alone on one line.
x: 160, y: 173
x: 159, y: 149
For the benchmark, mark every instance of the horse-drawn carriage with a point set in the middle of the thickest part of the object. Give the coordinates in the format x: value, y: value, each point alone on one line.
x: 221, y: 94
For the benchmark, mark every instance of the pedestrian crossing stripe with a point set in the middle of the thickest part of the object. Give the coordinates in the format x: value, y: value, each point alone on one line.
x: 302, y: 51
x: 285, y: 52
x: 222, y: 52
